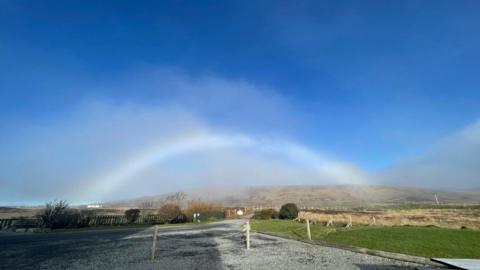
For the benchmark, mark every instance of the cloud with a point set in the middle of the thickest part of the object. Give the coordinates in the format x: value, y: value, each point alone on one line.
x: 452, y: 163
x: 106, y: 149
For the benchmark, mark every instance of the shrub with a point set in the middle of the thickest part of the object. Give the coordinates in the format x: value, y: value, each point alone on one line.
x: 53, y: 215
x: 68, y: 219
x: 288, y: 211
x: 182, y: 218
x: 84, y: 218
x: 197, y: 206
x: 266, y: 214
x: 169, y: 212
x: 132, y: 215
x: 211, y: 215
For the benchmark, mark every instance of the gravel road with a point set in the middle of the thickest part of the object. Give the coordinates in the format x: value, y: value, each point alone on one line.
x: 218, y: 245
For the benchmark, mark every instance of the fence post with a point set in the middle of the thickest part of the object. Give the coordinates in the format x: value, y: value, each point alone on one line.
x: 154, y: 244
x: 247, y: 231
x: 330, y: 221
x: 349, y: 222
x: 309, y: 235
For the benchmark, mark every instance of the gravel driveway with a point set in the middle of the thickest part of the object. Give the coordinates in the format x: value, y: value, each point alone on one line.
x: 213, y: 246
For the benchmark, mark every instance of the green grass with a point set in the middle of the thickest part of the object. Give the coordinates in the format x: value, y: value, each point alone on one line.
x: 418, y: 241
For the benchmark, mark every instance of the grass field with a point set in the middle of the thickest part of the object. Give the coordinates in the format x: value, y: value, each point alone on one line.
x: 452, y: 218
x: 408, y: 206
x: 418, y: 241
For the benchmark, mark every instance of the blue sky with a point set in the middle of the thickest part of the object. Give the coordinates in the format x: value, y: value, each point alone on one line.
x: 371, y: 83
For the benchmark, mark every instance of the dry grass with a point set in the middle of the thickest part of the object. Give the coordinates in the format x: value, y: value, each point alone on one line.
x: 445, y: 218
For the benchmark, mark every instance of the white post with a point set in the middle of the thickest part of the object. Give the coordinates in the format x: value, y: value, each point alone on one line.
x: 374, y: 222
x: 154, y: 244
x: 309, y: 235
x: 436, y: 199
x: 248, y: 234
x: 330, y: 221
x: 350, y: 222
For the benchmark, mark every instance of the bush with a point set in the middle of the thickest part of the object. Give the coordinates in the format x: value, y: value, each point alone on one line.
x: 53, y: 215
x: 197, y: 206
x: 288, y: 211
x: 170, y: 212
x: 182, y: 218
x: 132, y: 215
x: 84, y: 218
x: 69, y: 219
x: 266, y: 214
x: 211, y: 215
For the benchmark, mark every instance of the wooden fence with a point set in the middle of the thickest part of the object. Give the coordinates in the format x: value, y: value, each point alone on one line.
x: 110, y: 220
x: 103, y: 220
x: 120, y: 220
x: 6, y: 223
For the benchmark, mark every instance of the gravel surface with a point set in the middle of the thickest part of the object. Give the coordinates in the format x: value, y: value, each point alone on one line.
x: 218, y: 245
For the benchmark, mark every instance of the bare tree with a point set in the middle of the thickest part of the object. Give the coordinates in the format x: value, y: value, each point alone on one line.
x: 53, y: 210
x: 146, y: 204
x: 177, y: 198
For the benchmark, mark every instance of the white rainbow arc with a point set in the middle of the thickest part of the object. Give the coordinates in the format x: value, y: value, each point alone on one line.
x: 161, y: 152
x: 207, y: 141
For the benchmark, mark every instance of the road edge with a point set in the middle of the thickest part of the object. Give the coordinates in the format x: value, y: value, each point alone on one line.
x: 379, y: 253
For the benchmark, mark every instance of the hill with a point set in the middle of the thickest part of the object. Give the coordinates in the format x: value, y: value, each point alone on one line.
x: 314, y: 196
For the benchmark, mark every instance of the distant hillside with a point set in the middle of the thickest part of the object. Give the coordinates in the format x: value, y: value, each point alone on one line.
x: 314, y: 196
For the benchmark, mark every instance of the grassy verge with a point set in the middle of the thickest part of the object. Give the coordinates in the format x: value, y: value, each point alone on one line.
x: 417, y: 241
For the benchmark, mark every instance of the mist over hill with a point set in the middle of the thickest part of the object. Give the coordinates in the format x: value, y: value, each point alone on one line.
x: 313, y: 196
